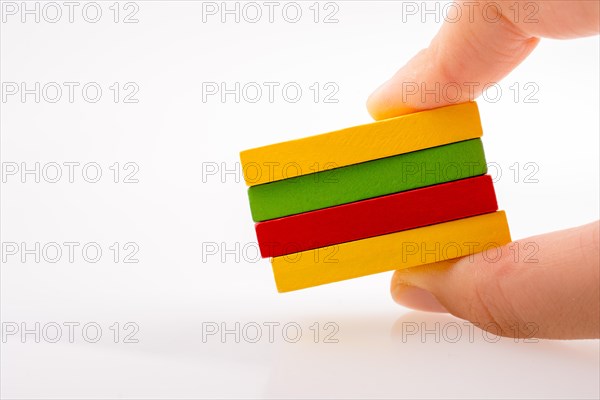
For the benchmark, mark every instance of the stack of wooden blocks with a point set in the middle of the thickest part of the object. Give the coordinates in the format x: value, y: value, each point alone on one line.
x: 392, y: 194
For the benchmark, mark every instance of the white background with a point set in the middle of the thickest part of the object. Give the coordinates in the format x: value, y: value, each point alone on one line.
x: 172, y: 212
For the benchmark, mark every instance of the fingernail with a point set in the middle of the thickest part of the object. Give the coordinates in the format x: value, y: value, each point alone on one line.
x: 416, y: 298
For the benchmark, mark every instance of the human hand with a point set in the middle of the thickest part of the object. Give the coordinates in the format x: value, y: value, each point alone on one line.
x: 557, y: 297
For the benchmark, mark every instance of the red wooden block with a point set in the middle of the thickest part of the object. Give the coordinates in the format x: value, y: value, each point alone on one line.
x: 377, y: 216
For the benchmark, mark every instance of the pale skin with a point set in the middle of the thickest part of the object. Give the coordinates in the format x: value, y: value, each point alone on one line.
x: 556, y: 297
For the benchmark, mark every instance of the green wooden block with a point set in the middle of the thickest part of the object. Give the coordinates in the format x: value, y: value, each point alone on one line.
x: 366, y: 180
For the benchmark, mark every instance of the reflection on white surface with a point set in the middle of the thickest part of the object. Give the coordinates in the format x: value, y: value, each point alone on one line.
x: 377, y: 357
x: 374, y: 357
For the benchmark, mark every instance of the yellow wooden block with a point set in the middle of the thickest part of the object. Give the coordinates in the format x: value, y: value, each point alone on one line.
x: 354, y: 145
x: 433, y: 243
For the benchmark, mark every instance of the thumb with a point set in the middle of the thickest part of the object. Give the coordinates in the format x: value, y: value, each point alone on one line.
x: 546, y: 286
x: 480, y: 47
x: 463, y: 57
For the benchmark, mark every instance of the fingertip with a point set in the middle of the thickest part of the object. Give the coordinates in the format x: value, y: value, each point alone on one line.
x: 371, y: 108
x: 375, y: 103
x: 461, y: 60
x: 415, y: 297
x: 381, y: 104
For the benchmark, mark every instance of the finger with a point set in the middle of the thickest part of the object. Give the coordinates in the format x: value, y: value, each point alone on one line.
x: 462, y: 58
x: 546, y: 286
x: 558, y: 19
x: 480, y: 47
x: 416, y: 298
